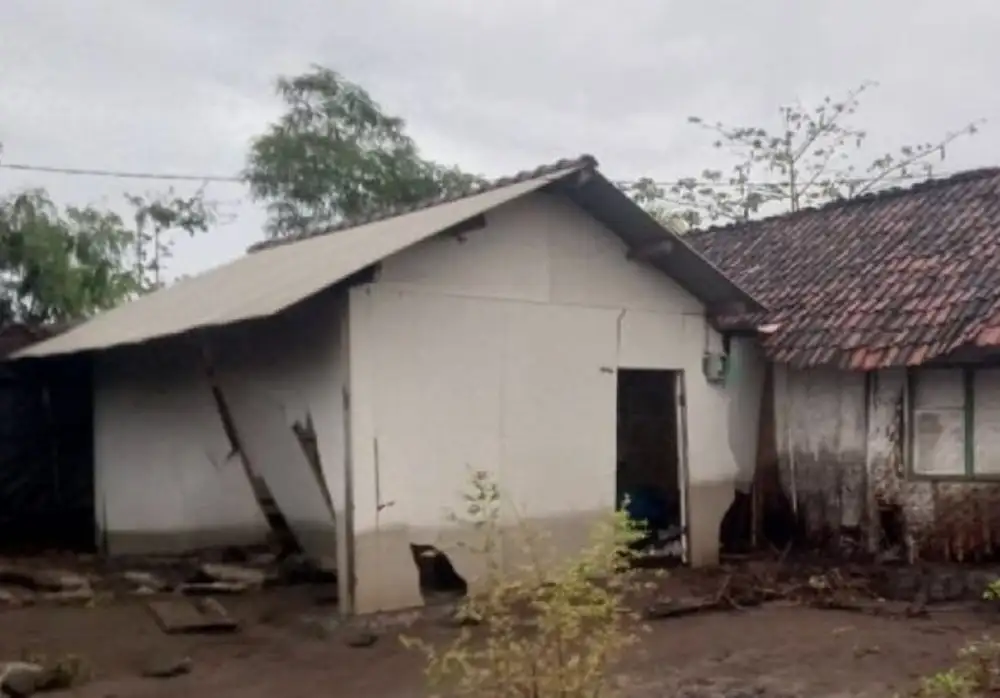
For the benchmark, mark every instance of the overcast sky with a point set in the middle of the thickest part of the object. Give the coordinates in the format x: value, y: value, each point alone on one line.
x: 182, y: 85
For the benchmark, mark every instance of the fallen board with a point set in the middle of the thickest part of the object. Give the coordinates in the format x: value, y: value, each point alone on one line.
x: 176, y: 616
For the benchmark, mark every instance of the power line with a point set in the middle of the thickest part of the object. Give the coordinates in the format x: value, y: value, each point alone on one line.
x: 233, y: 179
x: 119, y: 174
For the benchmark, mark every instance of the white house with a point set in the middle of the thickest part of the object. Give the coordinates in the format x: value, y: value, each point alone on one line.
x: 543, y: 329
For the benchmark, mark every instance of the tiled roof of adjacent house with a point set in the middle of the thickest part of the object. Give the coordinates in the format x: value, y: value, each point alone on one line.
x: 581, y: 162
x: 899, y: 277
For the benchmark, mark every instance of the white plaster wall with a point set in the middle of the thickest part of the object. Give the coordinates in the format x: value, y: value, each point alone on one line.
x: 744, y: 391
x: 498, y: 351
x: 163, y: 480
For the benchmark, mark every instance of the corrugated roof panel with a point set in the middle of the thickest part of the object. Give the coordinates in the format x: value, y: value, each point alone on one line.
x: 266, y: 282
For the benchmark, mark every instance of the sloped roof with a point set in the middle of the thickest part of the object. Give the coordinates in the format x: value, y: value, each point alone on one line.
x: 279, y: 274
x: 894, y: 278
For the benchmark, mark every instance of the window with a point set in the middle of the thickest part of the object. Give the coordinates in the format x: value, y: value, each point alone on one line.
x: 955, y: 418
x: 986, y: 422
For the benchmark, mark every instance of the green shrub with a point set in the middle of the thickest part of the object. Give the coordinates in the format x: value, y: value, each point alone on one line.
x: 542, y: 629
x: 976, y: 674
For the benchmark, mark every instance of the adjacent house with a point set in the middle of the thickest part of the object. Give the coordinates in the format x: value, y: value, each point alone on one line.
x: 883, y: 327
x: 543, y: 329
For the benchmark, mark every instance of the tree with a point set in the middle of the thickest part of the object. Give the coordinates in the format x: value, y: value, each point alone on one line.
x: 158, y: 215
x: 335, y: 155
x: 808, y: 160
x: 63, y: 264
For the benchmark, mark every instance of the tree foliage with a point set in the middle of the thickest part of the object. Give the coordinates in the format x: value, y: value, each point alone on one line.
x: 810, y: 157
x: 156, y: 217
x: 59, y: 264
x: 335, y: 154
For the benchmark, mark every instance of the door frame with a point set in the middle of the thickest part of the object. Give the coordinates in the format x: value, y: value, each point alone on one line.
x: 680, y: 406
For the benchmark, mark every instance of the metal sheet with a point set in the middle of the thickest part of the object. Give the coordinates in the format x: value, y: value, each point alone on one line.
x: 266, y: 282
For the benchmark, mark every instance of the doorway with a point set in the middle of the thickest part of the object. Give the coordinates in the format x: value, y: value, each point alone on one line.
x: 651, y: 481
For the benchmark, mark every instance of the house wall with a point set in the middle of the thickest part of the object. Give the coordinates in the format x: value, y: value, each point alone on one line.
x: 844, y: 459
x: 821, y: 437
x: 164, y: 478
x: 497, y: 351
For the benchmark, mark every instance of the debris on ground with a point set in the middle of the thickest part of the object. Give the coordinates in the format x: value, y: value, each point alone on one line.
x: 79, y: 579
x: 167, y: 666
x: 144, y: 581
x: 750, y: 584
x: 25, y: 678
x: 209, y: 588
x: 21, y: 679
x: 44, y: 580
x: 248, y: 577
x: 181, y: 615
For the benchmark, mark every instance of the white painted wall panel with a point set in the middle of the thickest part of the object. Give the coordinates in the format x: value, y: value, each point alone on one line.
x: 162, y: 478
x: 544, y: 249
x: 436, y: 396
x: 163, y: 481
x: 498, y: 351
x: 558, y: 442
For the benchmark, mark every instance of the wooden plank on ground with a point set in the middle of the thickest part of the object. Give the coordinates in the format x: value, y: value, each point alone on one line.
x: 181, y: 615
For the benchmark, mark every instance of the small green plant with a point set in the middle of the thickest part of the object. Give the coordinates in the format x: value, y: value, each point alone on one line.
x: 543, y: 628
x: 976, y: 674
x: 992, y: 591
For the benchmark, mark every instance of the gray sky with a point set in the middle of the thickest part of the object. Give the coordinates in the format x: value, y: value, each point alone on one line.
x: 181, y: 86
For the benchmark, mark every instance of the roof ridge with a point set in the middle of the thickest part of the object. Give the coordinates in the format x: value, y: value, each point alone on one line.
x: 581, y: 162
x: 870, y: 197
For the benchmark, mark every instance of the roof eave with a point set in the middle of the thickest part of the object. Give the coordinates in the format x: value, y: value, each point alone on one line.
x: 648, y: 240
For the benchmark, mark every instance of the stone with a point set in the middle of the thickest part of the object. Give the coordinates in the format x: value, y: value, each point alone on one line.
x: 9, y: 598
x: 361, y: 639
x: 58, y: 580
x: 167, y: 667
x: 70, y: 597
x: 145, y: 580
x: 22, y: 679
x: 235, y: 574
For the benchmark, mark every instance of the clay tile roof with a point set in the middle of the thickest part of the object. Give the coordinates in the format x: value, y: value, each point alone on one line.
x: 888, y: 279
x: 583, y: 161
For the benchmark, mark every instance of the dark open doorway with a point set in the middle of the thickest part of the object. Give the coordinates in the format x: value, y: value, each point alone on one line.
x: 650, y: 474
x: 46, y: 456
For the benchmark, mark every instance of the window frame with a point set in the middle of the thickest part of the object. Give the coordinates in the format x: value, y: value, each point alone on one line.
x: 969, y: 427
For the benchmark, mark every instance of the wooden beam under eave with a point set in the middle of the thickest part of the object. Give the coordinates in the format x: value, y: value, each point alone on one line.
x: 646, y: 253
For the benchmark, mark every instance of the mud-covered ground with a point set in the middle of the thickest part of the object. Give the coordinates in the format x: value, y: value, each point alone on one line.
x: 289, y: 644
x: 285, y: 648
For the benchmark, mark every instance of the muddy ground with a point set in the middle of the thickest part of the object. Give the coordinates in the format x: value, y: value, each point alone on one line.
x: 289, y: 645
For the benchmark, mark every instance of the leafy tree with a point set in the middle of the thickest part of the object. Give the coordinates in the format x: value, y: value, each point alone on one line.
x: 59, y: 265
x: 335, y: 154
x: 156, y: 217
x: 810, y: 158
x: 62, y: 264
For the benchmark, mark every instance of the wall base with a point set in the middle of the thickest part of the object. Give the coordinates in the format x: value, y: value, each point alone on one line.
x: 707, y: 504
x: 178, y: 542
x: 387, y: 577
